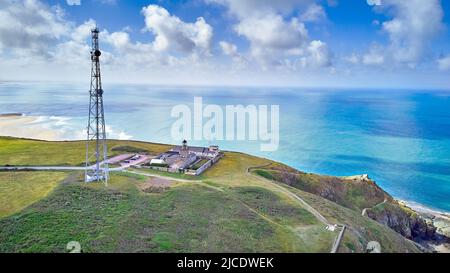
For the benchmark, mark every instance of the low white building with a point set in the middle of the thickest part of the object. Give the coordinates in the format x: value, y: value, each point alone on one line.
x: 158, y: 161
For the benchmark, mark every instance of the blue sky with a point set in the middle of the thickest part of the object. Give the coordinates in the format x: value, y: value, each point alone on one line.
x: 317, y: 43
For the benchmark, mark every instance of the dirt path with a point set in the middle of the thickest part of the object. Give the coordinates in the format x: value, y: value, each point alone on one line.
x: 162, y: 176
x: 304, y: 204
x: 364, y: 211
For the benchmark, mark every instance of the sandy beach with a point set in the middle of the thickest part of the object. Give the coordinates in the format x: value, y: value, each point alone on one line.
x: 18, y: 125
x: 441, y: 220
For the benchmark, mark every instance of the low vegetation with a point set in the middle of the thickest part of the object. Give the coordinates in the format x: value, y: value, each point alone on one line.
x: 355, y: 194
x: 186, y: 218
x: 226, y: 209
x: 129, y: 149
x: 358, y: 194
x: 20, y: 189
x: 26, y: 152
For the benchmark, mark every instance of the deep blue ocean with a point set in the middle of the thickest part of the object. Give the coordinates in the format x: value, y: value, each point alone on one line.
x: 400, y: 138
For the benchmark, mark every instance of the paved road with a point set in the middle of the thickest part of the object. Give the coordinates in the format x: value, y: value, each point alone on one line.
x: 53, y: 168
x: 112, y: 160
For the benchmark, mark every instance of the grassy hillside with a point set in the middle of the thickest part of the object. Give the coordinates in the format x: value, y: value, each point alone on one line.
x: 226, y: 209
x: 357, y: 193
x: 19, y: 190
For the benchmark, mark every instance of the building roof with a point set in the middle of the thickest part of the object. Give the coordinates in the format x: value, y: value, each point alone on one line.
x: 195, y: 149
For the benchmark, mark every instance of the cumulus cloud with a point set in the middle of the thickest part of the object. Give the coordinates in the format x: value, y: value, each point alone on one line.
x: 246, y: 8
x: 353, y: 58
x: 176, y: 44
x: 317, y: 55
x: 444, y: 63
x: 133, y: 54
x: 230, y: 49
x: 413, y: 25
x: 75, y: 49
x: 313, y: 13
x: 374, y: 57
x: 271, y: 36
x: 374, y: 2
x: 30, y: 27
x: 38, y: 36
x: 173, y: 33
x: 276, y: 37
x: 120, y: 40
x: 73, y: 2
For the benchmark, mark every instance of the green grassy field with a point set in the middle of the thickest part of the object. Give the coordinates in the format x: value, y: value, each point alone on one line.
x: 167, y: 174
x: 20, y: 189
x: 186, y: 218
x: 226, y: 209
x: 25, y: 152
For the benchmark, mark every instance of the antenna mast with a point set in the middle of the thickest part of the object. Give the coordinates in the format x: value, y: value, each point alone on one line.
x: 96, y: 159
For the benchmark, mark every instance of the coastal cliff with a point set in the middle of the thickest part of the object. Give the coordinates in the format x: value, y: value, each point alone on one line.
x: 360, y: 193
x: 403, y: 220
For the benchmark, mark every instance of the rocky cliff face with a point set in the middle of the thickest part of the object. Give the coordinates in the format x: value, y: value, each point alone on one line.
x: 406, y: 222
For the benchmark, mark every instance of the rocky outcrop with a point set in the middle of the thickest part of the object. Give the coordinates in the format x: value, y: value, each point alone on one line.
x: 354, y: 192
x: 406, y: 222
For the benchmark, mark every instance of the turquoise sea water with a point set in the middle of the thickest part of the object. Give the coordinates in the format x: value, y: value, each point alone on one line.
x: 401, y: 138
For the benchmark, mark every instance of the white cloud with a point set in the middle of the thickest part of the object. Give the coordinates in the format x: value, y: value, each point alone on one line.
x: 228, y: 48
x: 374, y: 57
x: 374, y: 2
x: 313, y: 13
x: 120, y: 40
x: 271, y: 32
x: 317, y: 55
x: 133, y: 54
x: 413, y: 25
x: 249, y: 8
x: 174, y: 34
x: 39, y: 41
x: 74, y: 50
x: 73, y: 2
x: 83, y: 31
x: 444, y: 63
x: 278, y: 39
x: 353, y: 59
x: 29, y: 27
